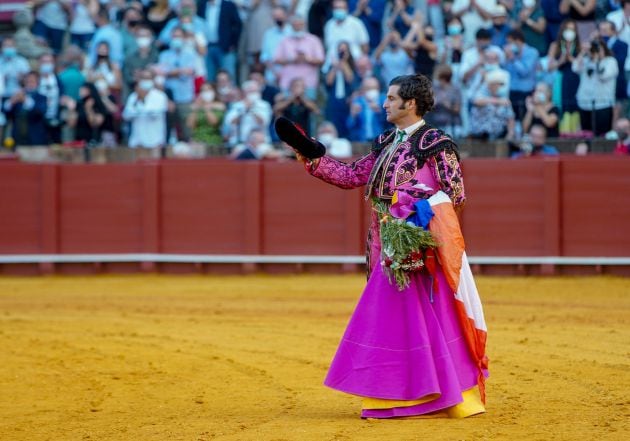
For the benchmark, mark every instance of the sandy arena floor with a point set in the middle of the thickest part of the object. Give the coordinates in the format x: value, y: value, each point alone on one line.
x: 243, y: 358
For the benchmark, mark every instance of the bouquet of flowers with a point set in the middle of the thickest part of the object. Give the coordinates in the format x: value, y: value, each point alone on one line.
x: 404, y: 244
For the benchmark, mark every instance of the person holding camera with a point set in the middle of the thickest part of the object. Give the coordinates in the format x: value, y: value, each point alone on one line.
x: 598, y: 72
x: 295, y: 105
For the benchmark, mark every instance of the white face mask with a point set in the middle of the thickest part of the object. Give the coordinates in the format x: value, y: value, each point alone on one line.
x: 207, y: 95
x: 145, y: 84
x: 253, y: 96
x: 372, y: 94
x: 529, y: 3
x: 101, y: 85
x: 540, y: 97
x: 568, y: 34
x: 159, y: 80
x: 326, y: 139
x: 144, y: 42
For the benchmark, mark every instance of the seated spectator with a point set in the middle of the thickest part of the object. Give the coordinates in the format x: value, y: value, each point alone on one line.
x: 268, y: 91
x: 256, y: 147
x: 541, y: 111
x: 598, y: 82
x: 500, y: 26
x: 179, y: 64
x: 622, y: 132
x: 106, y: 68
x: 296, y: 106
x: 491, y: 112
x: 536, y: 145
x: 145, y: 55
x: 367, y: 117
x: 336, y: 147
x: 583, y: 148
x: 251, y: 112
x: 491, y: 62
x: 26, y: 110
x: 420, y: 46
x: 82, y: 26
x: 146, y: 110
x: 390, y: 58
x: 206, y: 117
x: 51, y: 21
x: 226, y: 90
x: 90, y: 115
x: 448, y: 101
x: 299, y: 55
x: 341, y: 81
x: 110, y: 112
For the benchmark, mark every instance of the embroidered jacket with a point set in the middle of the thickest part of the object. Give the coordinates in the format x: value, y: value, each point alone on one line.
x: 420, y: 166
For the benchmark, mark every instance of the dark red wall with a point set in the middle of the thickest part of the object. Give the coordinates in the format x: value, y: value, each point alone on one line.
x: 567, y: 206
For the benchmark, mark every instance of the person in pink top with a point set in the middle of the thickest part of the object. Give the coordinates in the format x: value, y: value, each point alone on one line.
x: 299, y: 55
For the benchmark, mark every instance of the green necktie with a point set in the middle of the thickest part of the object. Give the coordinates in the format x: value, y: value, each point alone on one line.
x: 399, y: 136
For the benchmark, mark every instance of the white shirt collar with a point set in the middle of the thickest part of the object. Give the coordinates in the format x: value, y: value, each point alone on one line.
x: 412, y: 128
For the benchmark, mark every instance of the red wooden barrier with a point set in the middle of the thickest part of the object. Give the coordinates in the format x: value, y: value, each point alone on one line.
x: 567, y: 206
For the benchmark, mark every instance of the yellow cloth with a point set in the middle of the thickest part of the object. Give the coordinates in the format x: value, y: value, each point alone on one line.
x: 471, y: 405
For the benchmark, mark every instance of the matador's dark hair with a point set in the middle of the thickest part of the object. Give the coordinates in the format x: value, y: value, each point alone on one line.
x: 416, y: 87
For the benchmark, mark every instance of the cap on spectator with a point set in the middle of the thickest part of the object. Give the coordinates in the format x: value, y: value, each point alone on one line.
x: 499, y: 11
x: 496, y: 76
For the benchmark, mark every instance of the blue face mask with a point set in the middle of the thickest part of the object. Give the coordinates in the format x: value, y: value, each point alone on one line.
x: 177, y: 43
x: 454, y: 29
x: 9, y: 52
x: 339, y: 14
x: 514, y: 48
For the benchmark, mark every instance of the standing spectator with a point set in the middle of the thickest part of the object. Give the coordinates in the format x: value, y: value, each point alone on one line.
x: 367, y: 116
x: 448, y: 101
x: 336, y: 147
x: 252, y: 112
x: 146, y: 54
x: 259, y: 20
x: 109, y: 110
x: 13, y: 67
x: 90, y: 117
x: 186, y: 8
x: 533, y: 24
x: 541, y: 111
x: 178, y: 65
x: 109, y: 34
x: 82, y: 26
x: 51, y: 88
x: 562, y: 53
x: 453, y: 47
x: 346, y: 28
x: 51, y: 21
x: 341, y: 79
x: 621, y: 19
x: 492, y: 111
x: 195, y: 42
x: 71, y: 75
x: 536, y: 145
x: 26, y: 43
x: 401, y: 16
x: 299, y: 55
x: 474, y: 14
x: 206, y: 117
x: 554, y: 18
x: 500, y: 27
x: 157, y: 13
x: 491, y: 63
x: 420, y: 46
x: 520, y: 61
x: 296, y: 106
x: 223, y: 31
x: 271, y: 40
x: 106, y: 68
x: 371, y: 13
x: 227, y: 92
x: 391, y: 60
x: 146, y: 110
x: 26, y: 110
x: 318, y: 15
x: 583, y: 12
x: 619, y: 50
x: 132, y: 18
x: 598, y: 81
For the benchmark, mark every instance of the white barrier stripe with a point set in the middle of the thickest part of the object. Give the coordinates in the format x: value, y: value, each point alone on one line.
x: 293, y: 259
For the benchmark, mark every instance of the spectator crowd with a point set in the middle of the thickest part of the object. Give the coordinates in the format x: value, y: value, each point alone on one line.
x: 152, y: 73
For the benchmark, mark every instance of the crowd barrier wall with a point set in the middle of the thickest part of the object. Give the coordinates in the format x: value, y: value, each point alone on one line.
x: 560, y: 206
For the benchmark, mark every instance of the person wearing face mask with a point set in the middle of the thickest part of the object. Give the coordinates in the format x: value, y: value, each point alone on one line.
x: 533, y: 23
x: 535, y: 144
x: 108, y: 33
x: 619, y: 49
x: 179, y: 66
x: 296, y: 106
x: 247, y: 114
x: 146, y: 55
x: 561, y: 55
x: 491, y: 63
x: 26, y: 110
x: 145, y: 110
x: 520, y: 61
x: 106, y: 68
x: 392, y: 59
x: 52, y: 89
x: 583, y: 12
x: 206, y: 117
x: 271, y: 40
x: 186, y: 9
x: 299, y: 55
x: 500, y: 26
x: 452, y: 50
x: 492, y: 111
x: 345, y: 27
x: 367, y: 117
x: 336, y: 147
x: 541, y: 111
x: 12, y: 67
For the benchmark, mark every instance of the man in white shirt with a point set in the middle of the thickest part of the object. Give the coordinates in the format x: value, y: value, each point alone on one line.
x: 252, y: 112
x: 474, y: 14
x: 345, y: 27
x: 146, y: 111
